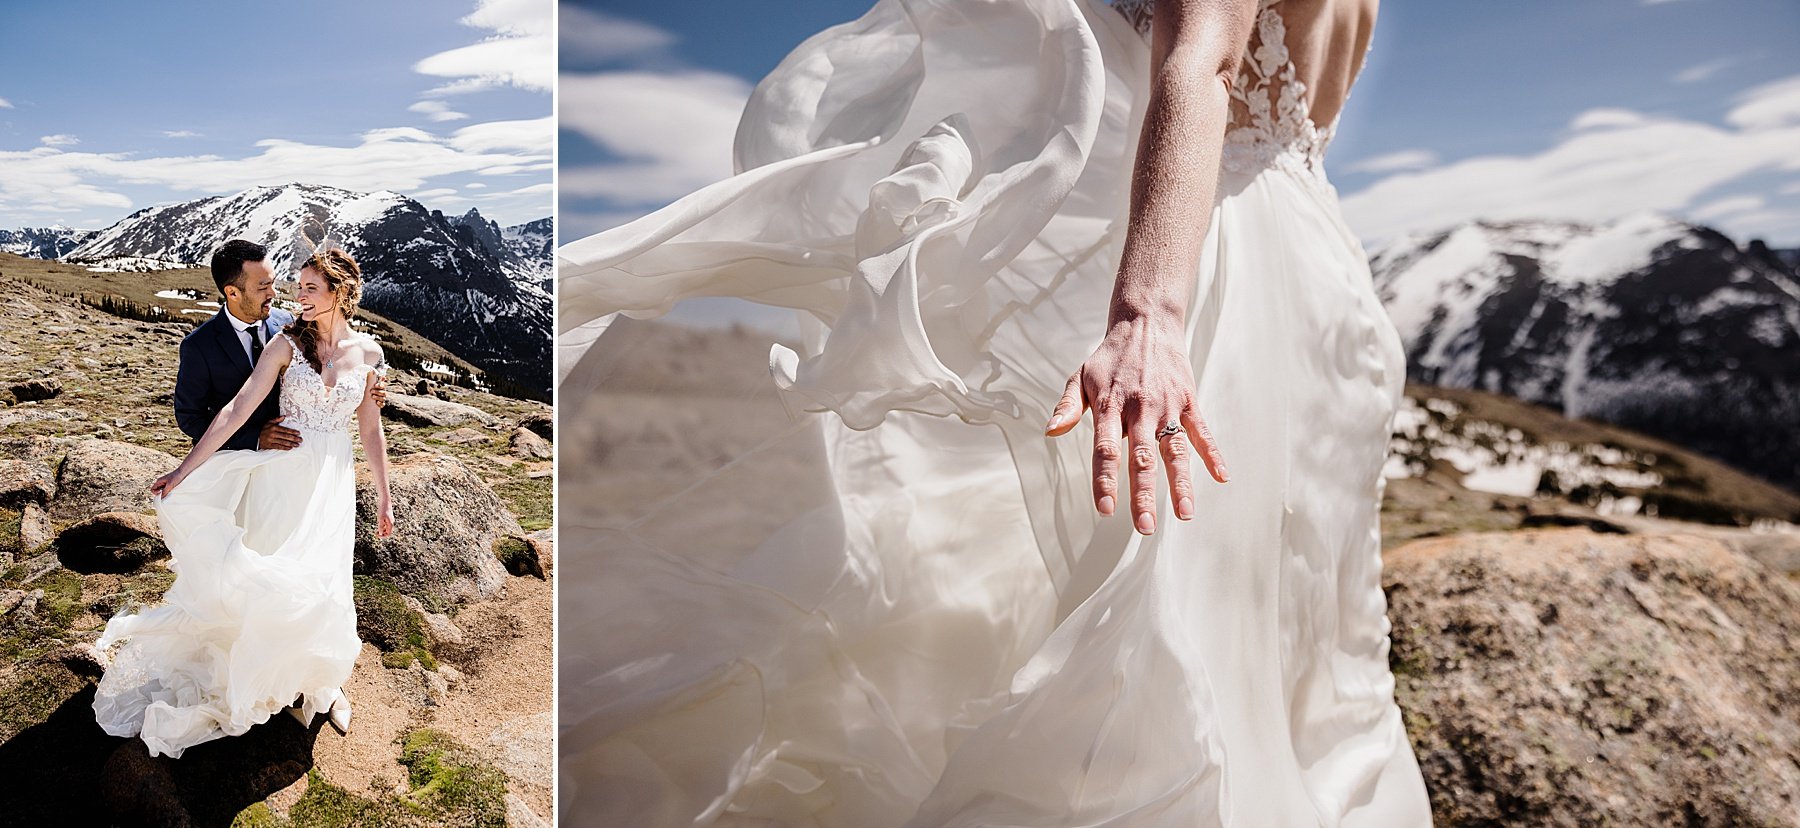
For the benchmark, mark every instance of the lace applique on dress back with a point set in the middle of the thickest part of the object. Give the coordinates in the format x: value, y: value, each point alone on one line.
x: 1271, y: 122
x: 307, y: 402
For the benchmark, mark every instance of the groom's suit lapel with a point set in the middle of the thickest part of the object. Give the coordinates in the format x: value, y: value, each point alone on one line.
x: 234, y: 347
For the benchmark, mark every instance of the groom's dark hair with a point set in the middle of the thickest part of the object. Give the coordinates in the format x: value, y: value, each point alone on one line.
x: 228, y: 261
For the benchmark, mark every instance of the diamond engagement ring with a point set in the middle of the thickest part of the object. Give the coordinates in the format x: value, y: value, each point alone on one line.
x: 1168, y: 430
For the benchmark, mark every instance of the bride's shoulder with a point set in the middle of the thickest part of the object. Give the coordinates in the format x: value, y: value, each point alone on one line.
x: 370, y: 349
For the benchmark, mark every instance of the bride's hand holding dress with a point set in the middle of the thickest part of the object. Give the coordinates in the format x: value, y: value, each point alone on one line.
x: 232, y: 416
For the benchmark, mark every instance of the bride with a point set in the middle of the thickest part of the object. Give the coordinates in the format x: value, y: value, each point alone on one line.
x: 989, y: 213
x: 261, y: 542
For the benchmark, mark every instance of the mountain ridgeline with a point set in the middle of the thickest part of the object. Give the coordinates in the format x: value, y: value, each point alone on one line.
x: 42, y: 242
x: 1650, y: 323
x: 479, y: 290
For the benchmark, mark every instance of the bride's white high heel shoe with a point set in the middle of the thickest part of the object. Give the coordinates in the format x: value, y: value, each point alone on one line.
x: 339, y: 714
x: 298, y: 711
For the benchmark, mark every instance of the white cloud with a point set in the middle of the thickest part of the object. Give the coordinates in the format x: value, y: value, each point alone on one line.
x: 1413, y: 159
x: 1772, y: 104
x: 51, y: 180
x: 180, y: 133
x: 1611, y: 163
x: 475, y: 186
x: 1701, y: 71
x: 1726, y: 207
x: 676, y: 138
x: 521, y: 52
x: 1608, y: 118
x: 437, y: 111
x: 5, y: 104
x: 587, y: 35
x: 60, y: 140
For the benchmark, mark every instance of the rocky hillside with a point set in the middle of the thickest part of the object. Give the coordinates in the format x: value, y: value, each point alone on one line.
x: 1664, y: 327
x: 486, y: 304
x: 452, y: 691
x: 1566, y: 650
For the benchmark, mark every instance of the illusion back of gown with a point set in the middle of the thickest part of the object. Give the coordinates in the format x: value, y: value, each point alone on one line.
x: 951, y: 635
x: 261, y: 610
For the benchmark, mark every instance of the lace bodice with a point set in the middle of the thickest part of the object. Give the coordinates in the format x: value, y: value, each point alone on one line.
x: 307, y: 403
x: 1271, y: 123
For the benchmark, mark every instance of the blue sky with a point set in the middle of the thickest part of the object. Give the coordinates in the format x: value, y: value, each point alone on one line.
x: 1584, y: 110
x: 108, y: 107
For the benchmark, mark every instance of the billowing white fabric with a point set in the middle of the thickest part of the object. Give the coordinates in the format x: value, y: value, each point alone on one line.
x: 957, y: 638
x: 262, y: 545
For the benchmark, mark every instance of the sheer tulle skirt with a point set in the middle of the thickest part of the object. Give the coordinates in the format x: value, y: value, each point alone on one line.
x: 261, y: 609
x: 952, y: 636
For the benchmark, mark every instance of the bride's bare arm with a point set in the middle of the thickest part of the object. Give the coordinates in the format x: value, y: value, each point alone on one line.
x: 368, y: 425
x: 1139, y: 378
x: 232, y: 416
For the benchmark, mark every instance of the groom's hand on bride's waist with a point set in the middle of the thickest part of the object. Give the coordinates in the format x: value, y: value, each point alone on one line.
x: 379, y: 393
x: 277, y: 436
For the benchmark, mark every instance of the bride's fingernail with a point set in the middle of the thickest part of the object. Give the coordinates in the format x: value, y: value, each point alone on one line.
x: 1146, y: 523
x: 1106, y: 505
x: 1185, y: 508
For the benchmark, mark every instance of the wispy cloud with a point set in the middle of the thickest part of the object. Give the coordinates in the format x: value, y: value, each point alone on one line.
x: 180, y: 133
x: 1772, y: 104
x: 521, y: 52
x: 677, y: 139
x: 437, y: 111
x: 59, y: 140
x: 51, y: 180
x: 1701, y: 71
x: 5, y: 104
x: 1412, y: 159
x: 587, y: 36
x: 1611, y: 162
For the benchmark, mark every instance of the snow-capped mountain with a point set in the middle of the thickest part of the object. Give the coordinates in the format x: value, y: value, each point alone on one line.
x: 1647, y: 322
x: 523, y: 250
x: 42, y: 242
x: 420, y: 269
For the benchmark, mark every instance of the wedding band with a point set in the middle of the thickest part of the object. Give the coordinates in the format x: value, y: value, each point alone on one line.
x: 1168, y: 430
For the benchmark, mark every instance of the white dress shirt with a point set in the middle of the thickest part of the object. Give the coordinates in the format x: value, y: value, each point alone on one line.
x: 242, y: 335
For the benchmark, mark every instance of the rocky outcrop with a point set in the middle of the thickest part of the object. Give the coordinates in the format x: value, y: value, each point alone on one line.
x: 25, y: 481
x: 528, y: 445
x: 421, y: 411
x: 106, y: 476
x: 1563, y: 677
x: 447, y: 520
x: 36, y: 390
x: 111, y: 542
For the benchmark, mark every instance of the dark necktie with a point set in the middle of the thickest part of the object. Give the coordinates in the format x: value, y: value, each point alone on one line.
x: 256, y: 345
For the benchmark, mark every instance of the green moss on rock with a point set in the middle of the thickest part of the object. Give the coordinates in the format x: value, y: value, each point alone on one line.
x: 26, y: 635
x: 450, y: 780
x: 31, y: 692
x: 10, y: 520
x: 384, y: 620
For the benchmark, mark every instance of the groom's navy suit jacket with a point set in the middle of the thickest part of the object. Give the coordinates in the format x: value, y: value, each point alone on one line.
x: 214, y: 365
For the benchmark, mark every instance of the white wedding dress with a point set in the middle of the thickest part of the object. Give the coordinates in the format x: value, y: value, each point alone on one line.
x: 262, y: 545
x: 957, y: 638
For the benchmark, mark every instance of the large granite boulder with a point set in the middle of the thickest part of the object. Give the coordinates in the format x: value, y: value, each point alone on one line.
x: 421, y: 411
x: 1563, y: 677
x: 106, y: 476
x: 446, y: 522
x: 111, y: 542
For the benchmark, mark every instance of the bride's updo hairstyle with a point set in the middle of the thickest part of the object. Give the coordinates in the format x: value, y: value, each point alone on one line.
x: 344, y: 279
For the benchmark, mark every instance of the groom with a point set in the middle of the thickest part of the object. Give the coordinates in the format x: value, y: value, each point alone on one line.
x: 217, y: 356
